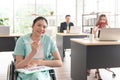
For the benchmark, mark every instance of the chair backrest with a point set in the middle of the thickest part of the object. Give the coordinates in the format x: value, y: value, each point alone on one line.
x: 58, y: 29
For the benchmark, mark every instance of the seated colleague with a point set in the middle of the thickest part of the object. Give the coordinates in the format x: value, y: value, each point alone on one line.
x: 66, y: 25
x: 36, y: 49
x: 102, y: 22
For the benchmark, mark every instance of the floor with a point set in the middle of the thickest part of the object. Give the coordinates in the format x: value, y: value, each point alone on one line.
x: 62, y: 73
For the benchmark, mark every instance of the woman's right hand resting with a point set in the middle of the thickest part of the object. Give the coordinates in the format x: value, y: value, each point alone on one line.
x: 34, y: 63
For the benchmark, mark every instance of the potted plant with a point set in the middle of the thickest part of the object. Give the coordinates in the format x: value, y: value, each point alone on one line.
x: 4, y: 21
x: 51, y: 13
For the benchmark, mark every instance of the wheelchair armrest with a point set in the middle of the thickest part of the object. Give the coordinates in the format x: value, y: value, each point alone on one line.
x: 52, y: 74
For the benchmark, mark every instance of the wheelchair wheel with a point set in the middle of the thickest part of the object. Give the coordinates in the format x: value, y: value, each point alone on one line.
x: 8, y: 72
x: 52, y: 74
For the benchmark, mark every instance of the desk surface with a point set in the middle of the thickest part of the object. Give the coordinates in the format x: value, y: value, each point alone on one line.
x: 70, y: 34
x: 88, y: 42
x: 11, y: 35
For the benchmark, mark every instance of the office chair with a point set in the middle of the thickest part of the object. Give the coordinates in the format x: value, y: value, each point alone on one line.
x: 97, y: 73
x: 12, y: 74
x: 58, y: 29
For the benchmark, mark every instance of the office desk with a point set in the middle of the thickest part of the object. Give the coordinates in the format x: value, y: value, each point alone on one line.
x: 63, y: 41
x: 86, y: 54
x: 7, y: 42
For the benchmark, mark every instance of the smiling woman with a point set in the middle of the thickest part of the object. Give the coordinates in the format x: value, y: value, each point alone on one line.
x: 41, y: 51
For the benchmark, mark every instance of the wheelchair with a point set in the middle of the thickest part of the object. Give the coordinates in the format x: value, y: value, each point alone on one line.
x: 12, y: 74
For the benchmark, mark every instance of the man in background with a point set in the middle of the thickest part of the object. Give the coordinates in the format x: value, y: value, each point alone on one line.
x: 66, y: 25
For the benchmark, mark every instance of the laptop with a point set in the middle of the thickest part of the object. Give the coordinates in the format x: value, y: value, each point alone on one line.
x: 109, y: 34
x: 75, y: 29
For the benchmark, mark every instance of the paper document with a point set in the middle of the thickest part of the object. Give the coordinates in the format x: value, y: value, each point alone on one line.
x: 34, y: 69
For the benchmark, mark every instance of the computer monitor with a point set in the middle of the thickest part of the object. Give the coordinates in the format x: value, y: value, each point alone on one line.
x: 4, y: 30
x: 75, y: 29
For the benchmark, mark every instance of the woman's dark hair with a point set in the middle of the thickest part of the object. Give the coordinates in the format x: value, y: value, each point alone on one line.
x: 39, y: 18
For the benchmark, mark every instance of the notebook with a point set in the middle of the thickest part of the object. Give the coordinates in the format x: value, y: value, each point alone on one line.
x: 33, y: 69
x: 109, y: 34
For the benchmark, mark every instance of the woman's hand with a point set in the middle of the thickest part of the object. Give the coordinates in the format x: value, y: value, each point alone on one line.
x: 31, y: 65
x: 34, y: 63
x: 35, y: 46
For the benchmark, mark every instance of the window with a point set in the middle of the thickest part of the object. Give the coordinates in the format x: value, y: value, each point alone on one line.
x: 6, y: 11
x: 22, y: 12
x: 27, y: 10
x: 108, y: 7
